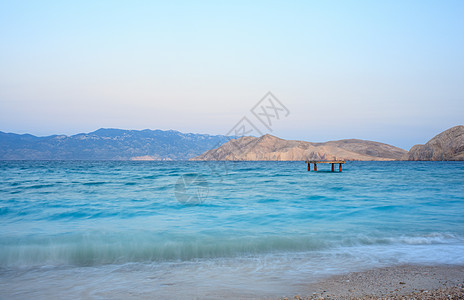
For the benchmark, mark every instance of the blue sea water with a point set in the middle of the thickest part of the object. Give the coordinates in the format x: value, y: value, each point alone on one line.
x: 182, y: 230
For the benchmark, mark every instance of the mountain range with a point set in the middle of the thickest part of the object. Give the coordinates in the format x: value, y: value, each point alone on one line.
x: 108, y: 144
x: 119, y: 144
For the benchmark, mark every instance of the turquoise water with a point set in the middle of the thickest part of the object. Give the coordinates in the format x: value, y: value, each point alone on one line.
x: 251, y: 229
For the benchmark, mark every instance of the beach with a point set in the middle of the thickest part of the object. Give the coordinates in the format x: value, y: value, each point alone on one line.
x: 398, y: 282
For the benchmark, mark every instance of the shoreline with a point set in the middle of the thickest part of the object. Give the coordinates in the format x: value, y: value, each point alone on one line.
x: 396, y: 282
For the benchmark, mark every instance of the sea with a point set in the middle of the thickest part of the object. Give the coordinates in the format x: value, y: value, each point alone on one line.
x: 209, y: 230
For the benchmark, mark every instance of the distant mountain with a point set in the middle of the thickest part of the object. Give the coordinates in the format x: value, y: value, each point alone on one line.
x: 268, y: 147
x: 448, y: 145
x: 108, y: 144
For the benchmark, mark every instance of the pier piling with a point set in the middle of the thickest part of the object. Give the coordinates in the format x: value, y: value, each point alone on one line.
x: 332, y: 162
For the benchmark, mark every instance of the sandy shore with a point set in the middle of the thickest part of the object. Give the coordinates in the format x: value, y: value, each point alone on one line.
x: 400, y: 282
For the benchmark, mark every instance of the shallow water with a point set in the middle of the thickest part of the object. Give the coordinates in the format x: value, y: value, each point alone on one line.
x: 240, y: 229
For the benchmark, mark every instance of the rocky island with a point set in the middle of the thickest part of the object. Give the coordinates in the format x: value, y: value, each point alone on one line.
x: 448, y: 145
x: 269, y: 147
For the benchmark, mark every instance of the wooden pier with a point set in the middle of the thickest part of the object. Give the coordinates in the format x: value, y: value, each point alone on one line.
x: 333, y: 162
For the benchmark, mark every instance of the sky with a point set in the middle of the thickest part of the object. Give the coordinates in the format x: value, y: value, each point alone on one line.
x: 388, y: 71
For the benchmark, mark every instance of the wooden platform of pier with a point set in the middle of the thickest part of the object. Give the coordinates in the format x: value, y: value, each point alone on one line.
x: 333, y: 162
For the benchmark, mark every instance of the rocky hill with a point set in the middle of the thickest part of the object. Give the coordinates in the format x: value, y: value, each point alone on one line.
x: 108, y: 144
x: 269, y: 147
x: 448, y: 145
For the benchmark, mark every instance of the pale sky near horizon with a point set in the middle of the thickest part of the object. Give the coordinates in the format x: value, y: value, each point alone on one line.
x: 389, y: 71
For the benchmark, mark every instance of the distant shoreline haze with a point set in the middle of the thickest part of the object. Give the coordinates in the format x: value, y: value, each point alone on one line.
x: 146, y: 145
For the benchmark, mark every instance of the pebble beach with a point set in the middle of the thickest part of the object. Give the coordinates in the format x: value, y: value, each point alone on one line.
x: 399, y: 282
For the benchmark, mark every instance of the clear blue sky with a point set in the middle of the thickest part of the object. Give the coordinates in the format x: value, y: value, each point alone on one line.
x: 391, y: 71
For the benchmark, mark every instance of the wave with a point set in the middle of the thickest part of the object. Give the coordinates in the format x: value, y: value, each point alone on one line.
x: 100, y: 249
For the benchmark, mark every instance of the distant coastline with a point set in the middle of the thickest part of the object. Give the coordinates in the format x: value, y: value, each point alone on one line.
x: 272, y: 148
x: 108, y: 144
x: 446, y: 146
x: 159, y: 145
